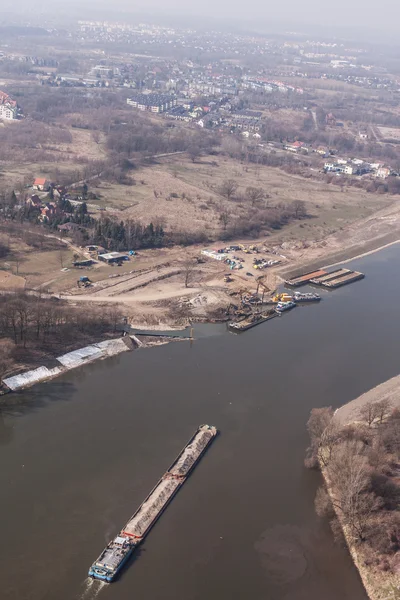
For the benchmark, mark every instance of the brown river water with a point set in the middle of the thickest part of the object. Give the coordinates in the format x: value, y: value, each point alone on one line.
x: 80, y: 453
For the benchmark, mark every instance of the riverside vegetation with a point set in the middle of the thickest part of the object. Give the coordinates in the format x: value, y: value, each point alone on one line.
x: 33, y: 327
x: 361, y: 491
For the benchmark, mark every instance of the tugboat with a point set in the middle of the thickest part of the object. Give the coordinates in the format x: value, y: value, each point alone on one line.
x: 283, y: 306
x: 308, y: 297
x: 112, y: 559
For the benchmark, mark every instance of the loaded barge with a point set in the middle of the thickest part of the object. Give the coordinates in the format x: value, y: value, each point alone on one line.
x: 344, y: 280
x: 252, y: 321
x: 118, y: 551
x: 332, y: 275
x: 303, y: 279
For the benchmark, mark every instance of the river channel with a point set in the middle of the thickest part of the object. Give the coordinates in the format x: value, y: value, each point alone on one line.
x: 79, y: 454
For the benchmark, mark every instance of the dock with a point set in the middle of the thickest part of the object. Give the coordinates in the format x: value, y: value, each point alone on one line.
x: 118, y: 551
x: 303, y: 279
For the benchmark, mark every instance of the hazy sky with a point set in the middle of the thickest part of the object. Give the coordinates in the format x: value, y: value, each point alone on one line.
x: 294, y: 14
x: 364, y: 12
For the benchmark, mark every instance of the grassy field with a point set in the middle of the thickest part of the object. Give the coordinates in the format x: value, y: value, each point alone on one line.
x: 198, y: 204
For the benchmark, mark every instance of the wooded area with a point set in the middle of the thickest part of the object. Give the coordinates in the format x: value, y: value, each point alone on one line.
x: 360, y: 462
x: 32, y: 325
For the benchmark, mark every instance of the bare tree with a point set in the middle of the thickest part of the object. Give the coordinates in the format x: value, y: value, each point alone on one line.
x: 194, y: 153
x: 323, y: 503
x: 349, y: 474
x: 299, y: 208
x: 383, y: 409
x: 224, y: 217
x: 17, y: 262
x: 254, y: 194
x: 329, y: 441
x: 188, y: 270
x: 6, y: 349
x: 61, y: 257
x: 319, y: 420
x: 228, y: 188
x: 369, y: 412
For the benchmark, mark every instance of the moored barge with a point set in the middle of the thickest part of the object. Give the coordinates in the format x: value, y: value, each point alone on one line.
x: 252, y: 321
x: 344, y: 280
x: 118, y: 551
x: 303, y: 279
x: 332, y: 275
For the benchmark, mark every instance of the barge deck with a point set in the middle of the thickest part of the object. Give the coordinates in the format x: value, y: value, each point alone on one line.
x: 303, y: 279
x: 332, y: 275
x: 349, y: 278
x: 118, y: 551
x: 249, y: 323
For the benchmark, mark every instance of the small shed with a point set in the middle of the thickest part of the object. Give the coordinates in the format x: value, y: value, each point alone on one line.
x: 113, y: 257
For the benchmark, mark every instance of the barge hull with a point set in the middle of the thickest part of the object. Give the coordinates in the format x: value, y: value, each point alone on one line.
x: 350, y: 278
x: 303, y: 279
x: 118, y: 551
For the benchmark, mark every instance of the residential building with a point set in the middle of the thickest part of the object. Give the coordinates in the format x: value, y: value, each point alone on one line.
x: 8, y: 107
x: 155, y: 103
x: 383, y: 172
x: 41, y: 184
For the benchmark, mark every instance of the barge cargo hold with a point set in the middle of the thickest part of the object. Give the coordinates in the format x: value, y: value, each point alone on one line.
x: 329, y: 276
x: 349, y: 278
x: 118, y: 551
x: 303, y: 279
x: 246, y: 324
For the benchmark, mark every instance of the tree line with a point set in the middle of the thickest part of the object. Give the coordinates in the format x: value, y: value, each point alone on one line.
x: 360, y: 462
x: 30, y: 323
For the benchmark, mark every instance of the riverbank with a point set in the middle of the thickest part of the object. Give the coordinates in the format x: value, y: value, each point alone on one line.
x: 378, y: 585
x: 380, y: 582
x: 79, y: 358
x: 387, y: 391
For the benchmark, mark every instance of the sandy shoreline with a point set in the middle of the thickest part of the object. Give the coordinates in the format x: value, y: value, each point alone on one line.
x: 332, y: 258
x: 378, y: 249
x: 388, y: 390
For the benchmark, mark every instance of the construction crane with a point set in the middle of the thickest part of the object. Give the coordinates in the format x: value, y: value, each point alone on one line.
x: 265, y: 289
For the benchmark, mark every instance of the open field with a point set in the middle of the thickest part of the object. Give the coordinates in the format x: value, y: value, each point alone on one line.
x: 199, y: 204
x: 389, y: 133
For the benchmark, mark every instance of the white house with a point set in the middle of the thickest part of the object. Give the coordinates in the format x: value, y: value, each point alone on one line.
x: 383, y: 172
x: 8, y: 107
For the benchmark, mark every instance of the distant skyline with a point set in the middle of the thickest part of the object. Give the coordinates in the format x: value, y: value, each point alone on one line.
x: 333, y: 19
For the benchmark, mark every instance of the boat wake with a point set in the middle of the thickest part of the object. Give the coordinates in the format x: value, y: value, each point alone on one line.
x: 92, y: 588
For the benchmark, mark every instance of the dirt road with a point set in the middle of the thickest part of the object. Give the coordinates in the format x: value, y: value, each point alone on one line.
x: 135, y: 281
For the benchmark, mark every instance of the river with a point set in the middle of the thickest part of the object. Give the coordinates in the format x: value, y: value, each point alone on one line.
x: 79, y: 454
